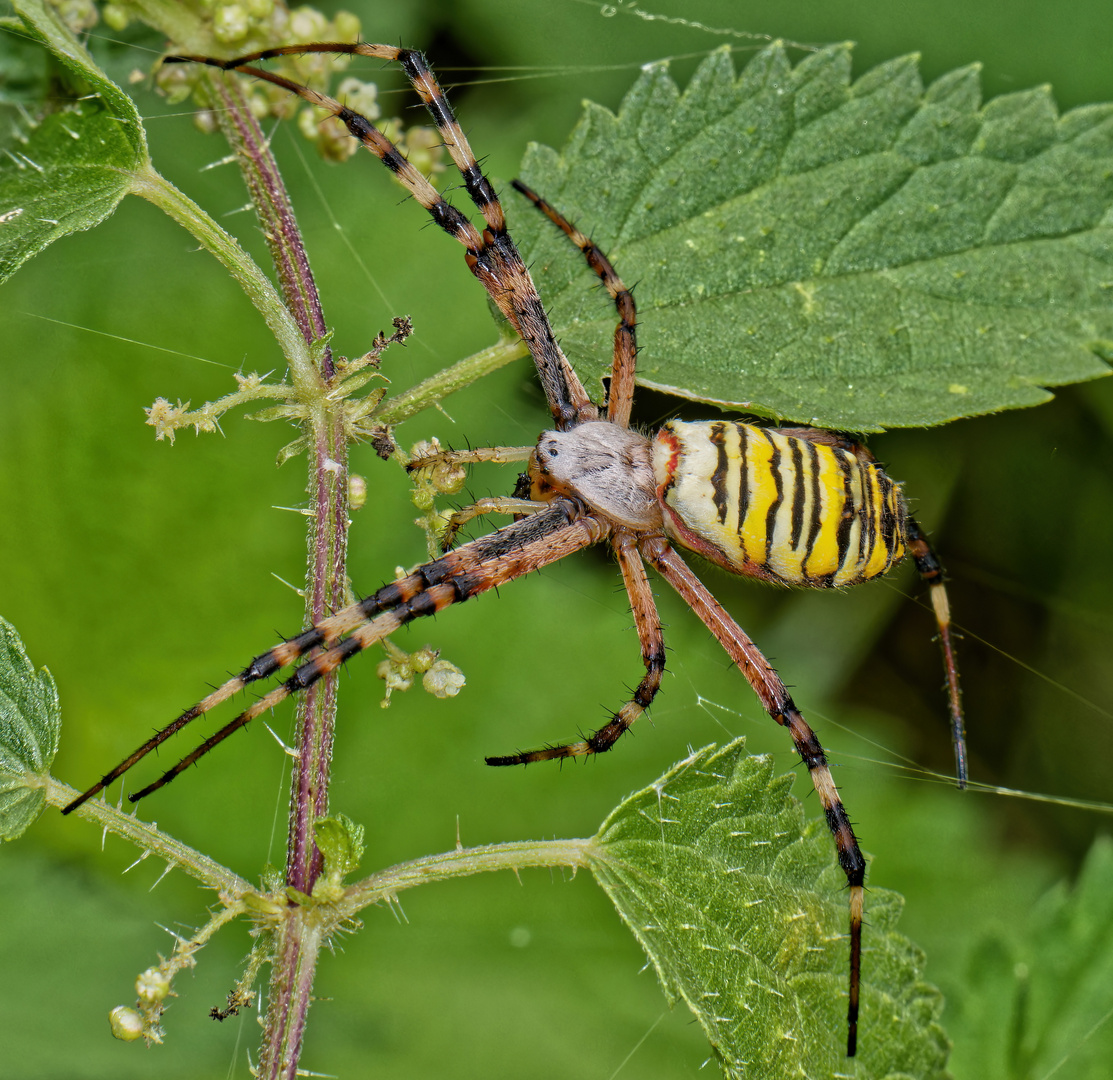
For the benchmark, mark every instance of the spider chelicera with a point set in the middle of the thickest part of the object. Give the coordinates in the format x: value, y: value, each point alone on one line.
x: 794, y: 506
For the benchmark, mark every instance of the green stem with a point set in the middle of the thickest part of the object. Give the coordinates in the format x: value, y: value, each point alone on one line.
x: 575, y: 854
x: 455, y: 377
x: 150, y: 840
x: 297, y: 325
x: 153, y: 187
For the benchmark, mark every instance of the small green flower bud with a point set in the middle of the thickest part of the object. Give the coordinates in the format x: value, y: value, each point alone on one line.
x: 443, y: 680
x: 361, y: 97
x: 346, y: 26
x: 448, y: 479
x: 126, y: 1023
x: 397, y: 676
x: 357, y: 491
x: 230, y: 23
x: 307, y: 25
x: 115, y: 16
x: 152, y: 986
x: 422, y: 660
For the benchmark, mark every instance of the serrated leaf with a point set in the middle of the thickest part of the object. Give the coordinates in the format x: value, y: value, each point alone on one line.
x: 68, y: 171
x: 340, y: 841
x: 30, y: 723
x: 741, y: 908
x: 1043, y: 1005
x: 854, y: 255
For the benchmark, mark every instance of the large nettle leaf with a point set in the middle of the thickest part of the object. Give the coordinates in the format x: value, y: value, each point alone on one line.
x: 854, y: 255
x: 741, y: 908
x: 69, y: 170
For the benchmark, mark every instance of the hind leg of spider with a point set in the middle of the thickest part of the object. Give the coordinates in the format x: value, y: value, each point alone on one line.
x: 931, y: 573
x: 779, y: 705
x: 648, y: 625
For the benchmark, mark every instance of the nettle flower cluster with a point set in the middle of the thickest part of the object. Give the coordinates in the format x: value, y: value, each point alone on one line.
x: 247, y: 25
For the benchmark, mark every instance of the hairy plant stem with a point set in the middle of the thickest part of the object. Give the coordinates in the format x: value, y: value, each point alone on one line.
x: 297, y: 321
x: 272, y: 205
x: 463, y: 373
x: 150, y: 840
x: 464, y: 862
x: 298, y: 940
x: 149, y: 184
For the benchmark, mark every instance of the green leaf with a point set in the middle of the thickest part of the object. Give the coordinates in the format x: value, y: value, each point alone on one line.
x: 68, y: 171
x: 854, y: 255
x: 741, y: 908
x: 340, y: 841
x: 1043, y: 1006
x: 30, y: 723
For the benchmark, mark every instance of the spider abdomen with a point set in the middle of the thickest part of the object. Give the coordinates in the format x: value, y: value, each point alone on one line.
x: 796, y: 509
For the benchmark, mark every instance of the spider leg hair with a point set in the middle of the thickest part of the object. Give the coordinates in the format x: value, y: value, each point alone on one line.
x: 779, y: 705
x: 931, y: 573
x: 510, y: 552
x: 621, y: 397
x: 492, y: 256
x: 648, y: 624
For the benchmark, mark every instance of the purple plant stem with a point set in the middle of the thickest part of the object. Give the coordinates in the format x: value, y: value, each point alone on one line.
x: 276, y: 215
x: 297, y: 947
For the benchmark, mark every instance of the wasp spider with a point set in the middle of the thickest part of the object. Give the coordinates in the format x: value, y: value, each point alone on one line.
x: 796, y: 506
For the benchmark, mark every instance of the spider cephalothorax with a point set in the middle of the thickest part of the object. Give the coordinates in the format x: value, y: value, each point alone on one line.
x: 607, y: 467
x: 794, y: 506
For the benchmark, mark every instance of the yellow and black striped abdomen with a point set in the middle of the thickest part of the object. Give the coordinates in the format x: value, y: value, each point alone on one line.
x: 778, y: 506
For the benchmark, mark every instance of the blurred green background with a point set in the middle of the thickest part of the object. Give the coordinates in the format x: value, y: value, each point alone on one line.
x: 140, y: 572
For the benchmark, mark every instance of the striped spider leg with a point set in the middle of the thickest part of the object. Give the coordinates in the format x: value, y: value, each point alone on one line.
x: 793, y: 506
